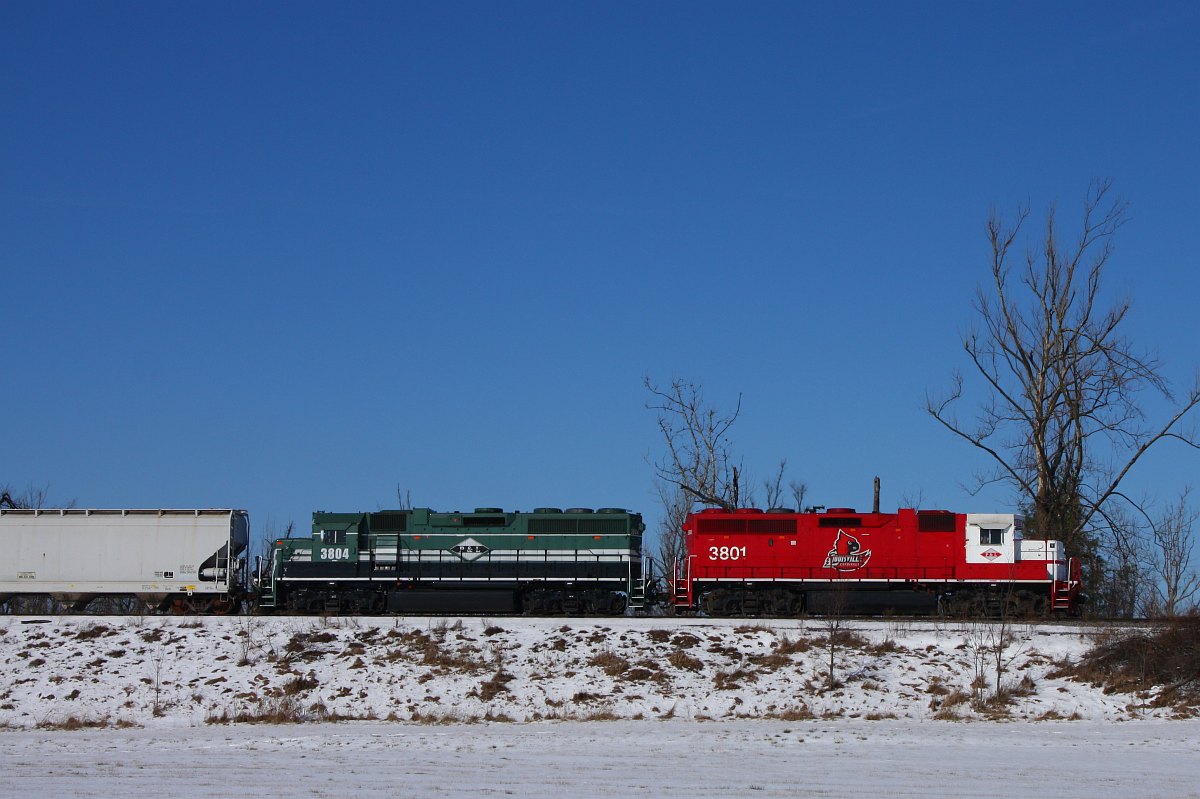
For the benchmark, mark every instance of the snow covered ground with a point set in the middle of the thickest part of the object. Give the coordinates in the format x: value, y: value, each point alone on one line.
x: 534, y: 707
x: 551, y: 760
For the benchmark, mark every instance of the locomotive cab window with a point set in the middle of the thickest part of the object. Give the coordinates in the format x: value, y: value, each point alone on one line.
x: 991, y: 536
x: 333, y: 536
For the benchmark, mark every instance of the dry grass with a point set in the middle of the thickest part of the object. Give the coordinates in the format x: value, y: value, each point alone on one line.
x: 947, y: 705
x: 885, y: 647
x: 1026, y: 687
x: 610, y: 663
x: 1164, y: 658
x: 682, y: 660
x: 771, y: 662
x: 94, y: 631
x: 844, y: 639
x: 1054, y: 715
x: 685, y: 641
x: 799, y: 713
x: 498, y: 684
x: 729, y: 680
x: 299, y: 684
x: 75, y: 723
x: 787, y: 646
x: 271, y: 710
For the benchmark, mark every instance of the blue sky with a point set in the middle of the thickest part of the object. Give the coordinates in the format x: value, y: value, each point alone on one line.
x: 289, y: 256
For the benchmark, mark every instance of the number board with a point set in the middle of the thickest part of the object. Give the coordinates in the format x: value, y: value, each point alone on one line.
x: 333, y: 552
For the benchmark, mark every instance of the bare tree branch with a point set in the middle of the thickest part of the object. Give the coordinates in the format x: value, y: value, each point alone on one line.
x: 698, y: 458
x: 1061, y: 417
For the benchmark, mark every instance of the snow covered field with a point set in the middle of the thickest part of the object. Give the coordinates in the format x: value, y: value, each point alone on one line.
x: 536, y: 707
x: 551, y: 760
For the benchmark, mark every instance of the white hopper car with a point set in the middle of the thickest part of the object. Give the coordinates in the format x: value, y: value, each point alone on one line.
x: 180, y: 560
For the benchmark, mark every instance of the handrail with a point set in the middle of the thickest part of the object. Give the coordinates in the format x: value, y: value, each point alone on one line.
x: 819, y: 573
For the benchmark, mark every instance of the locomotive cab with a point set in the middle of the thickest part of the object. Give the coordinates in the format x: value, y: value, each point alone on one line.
x: 993, y: 538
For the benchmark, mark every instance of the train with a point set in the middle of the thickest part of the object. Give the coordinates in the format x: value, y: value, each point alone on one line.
x: 549, y: 561
x: 185, y: 561
x: 750, y: 562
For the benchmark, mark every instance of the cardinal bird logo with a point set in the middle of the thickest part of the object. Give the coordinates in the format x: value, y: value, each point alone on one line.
x: 847, y: 553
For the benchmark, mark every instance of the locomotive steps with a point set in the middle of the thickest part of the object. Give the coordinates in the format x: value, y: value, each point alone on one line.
x: 155, y: 671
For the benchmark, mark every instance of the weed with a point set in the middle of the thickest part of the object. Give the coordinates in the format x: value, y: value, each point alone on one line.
x: 642, y: 674
x: 94, y: 631
x: 800, y: 713
x: 1054, y: 715
x: 948, y: 714
x: 271, y: 710
x: 727, y: 681
x: 1026, y: 687
x: 610, y: 663
x: 684, y: 641
x: 73, y: 723
x: 771, y: 662
x: 787, y: 646
x: 1165, y: 657
x: 682, y: 660
x: 602, y: 714
x: 299, y: 684
x: 496, y: 685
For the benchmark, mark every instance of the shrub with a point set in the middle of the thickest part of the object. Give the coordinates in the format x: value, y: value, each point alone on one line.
x: 1165, y: 656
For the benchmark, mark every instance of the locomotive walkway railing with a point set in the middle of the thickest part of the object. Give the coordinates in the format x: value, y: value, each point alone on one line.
x: 816, y: 573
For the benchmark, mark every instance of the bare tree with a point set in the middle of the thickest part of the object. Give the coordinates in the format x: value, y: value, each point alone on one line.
x: 676, y: 505
x: 838, y: 600
x: 31, y: 496
x: 1170, y: 559
x: 773, y: 488
x: 1120, y: 586
x: 798, y: 491
x: 698, y: 466
x: 1061, y: 383
x: 993, y: 646
x: 699, y: 459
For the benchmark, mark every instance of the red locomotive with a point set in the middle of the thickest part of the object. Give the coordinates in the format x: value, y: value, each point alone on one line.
x: 783, y: 563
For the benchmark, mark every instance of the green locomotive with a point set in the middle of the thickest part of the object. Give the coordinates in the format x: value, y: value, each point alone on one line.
x: 551, y: 561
